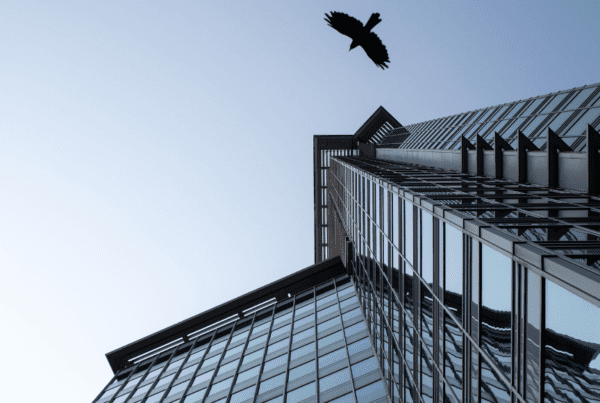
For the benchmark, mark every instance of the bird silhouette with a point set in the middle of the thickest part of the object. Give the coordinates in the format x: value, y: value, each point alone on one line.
x: 361, y: 35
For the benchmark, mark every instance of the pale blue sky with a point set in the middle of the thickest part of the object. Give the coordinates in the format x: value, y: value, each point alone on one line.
x: 156, y: 157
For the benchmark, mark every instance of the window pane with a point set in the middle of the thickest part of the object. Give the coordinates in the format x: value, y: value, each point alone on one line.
x: 571, y: 345
x: 234, y: 351
x: 304, y: 334
x: 359, y: 346
x: 271, y: 383
x: 332, y: 338
x: 364, y: 367
x: 242, y: 395
x: 244, y: 376
x: 427, y: 247
x: 228, y: 367
x: 302, y: 393
x: 195, y: 397
x: 211, y: 360
x: 203, y: 377
x: 333, y: 380
x: 220, y: 386
x: 253, y: 356
x: 329, y: 324
x: 359, y: 327
x: 275, y: 362
x: 279, y: 345
x: 332, y: 358
x: 255, y: 342
x: 302, y: 370
x: 282, y: 330
x: 371, y: 392
x: 454, y: 270
x: 496, y: 299
x: 302, y: 351
x: 178, y: 388
x: 304, y: 321
x: 187, y: 371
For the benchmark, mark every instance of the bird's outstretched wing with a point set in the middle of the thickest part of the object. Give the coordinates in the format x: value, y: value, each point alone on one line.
x: 343, y: 23
x: 376, y: 50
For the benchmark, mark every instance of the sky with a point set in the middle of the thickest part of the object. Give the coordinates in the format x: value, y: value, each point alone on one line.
x: 156, y: 157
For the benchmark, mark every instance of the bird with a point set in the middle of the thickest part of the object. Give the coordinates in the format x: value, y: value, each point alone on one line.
x: 361, y: 35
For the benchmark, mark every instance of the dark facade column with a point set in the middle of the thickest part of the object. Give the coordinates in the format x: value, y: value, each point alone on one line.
x: 500, y: 144
x: 480, y: 146
x: 465, y: 146
x: 593, y: 144
x: 523, y: 145
x: 553, y: 146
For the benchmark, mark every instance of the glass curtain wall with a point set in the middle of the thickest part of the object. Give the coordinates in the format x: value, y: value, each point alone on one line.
x: 454, y: 319
x: 314, y: 347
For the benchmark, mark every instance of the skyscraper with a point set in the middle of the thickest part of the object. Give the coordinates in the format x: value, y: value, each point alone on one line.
x: 455, y: 260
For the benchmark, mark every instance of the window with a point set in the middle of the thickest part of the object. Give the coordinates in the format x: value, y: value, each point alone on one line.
x: 164, y: 381
x: 142, y: 391
x: 155, y: 398
x: 221, y: 386
x: 271, y: 383
x: 332, y: 358
x: 195, y: 397
x: 496, y: 298
x: 217, y: 344
x: 228, y: 367
x: 327, y: 311
x: 304, y: 321
x: 234, y: 351
x: 239, y: 336
x: 251, y: 373
x: 187, y: 371
x: 279, y: 345
x: 301, y: 370
x: 364, y: 367
x: 303, y: 335
x: 302, y: 393
x: 302, y: 351
x: 174, y: 364
x: 371, y: 392
x: 333, y: 380
x: 242, y: 395
x: 260, y: 327
x: 328, y: 340
x: 281, y: 331
x: 203, y: 377
x: 197, y: 354
x: 329, y: 324
x: 210, y: 361
x: 259, y: 340
x: 359, y: 327
x: 275, y: 362
x: 359, y: 346
x: 178, y: 388
x: 348, y: 316
x: 253, y: 356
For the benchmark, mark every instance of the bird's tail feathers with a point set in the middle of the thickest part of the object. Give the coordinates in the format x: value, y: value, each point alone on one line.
x: 373, y: 20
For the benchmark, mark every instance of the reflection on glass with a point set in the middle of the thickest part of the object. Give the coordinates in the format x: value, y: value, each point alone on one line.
x: 534, y: 305
x: 453, y: 250
x: 427, y: 247
x: 453, y: 355
x: 496, y: 297
x: 408, y: 231
x: 493, y: 388
x: 572, y: 347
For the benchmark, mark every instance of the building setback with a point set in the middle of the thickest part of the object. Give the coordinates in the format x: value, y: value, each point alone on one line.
x: 456, y: 260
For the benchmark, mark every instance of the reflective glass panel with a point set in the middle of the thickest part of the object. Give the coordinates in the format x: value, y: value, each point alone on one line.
x: 496, y: 297
x: 302, y: 393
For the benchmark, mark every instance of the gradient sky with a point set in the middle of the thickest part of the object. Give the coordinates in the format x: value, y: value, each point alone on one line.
x: 156, y: 157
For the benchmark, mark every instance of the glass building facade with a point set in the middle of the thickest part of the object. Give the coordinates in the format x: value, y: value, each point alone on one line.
x: 430, y: 285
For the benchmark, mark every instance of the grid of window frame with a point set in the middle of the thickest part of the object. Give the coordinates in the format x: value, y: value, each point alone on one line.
x: 374, y: 212
x: 566, y: 112
x: 316, y: 326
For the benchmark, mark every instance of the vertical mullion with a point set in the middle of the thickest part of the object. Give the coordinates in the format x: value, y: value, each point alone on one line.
x: 345, y: 346
x: 436, y: 313
x: 214, y: 375
x: 127, y: 380
x: 179, y: 370
x: 199, y: 362
x: 262, y: 361
x: 316, y: 344
x: 242, y: 357
x: 289, y: 353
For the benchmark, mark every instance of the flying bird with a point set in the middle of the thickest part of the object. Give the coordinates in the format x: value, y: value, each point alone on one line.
x: 361, y: 35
